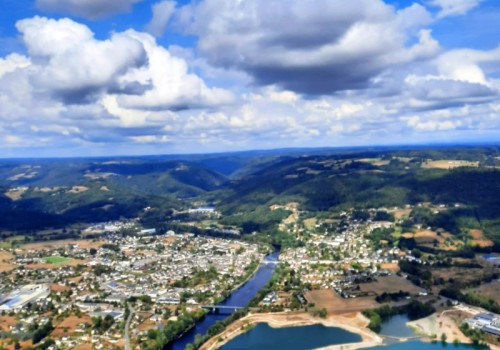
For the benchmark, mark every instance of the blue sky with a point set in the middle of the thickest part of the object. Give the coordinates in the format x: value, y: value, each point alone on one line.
x: 95, y: 77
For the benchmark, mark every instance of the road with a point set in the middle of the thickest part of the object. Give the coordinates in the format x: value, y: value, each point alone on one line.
x: 127, y: 328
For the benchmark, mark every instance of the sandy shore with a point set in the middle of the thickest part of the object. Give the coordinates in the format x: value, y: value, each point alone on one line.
x: 439, y: 324
x: 443, y: 323
x: 354, y: 322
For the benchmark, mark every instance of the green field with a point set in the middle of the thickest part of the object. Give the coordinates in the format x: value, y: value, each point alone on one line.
x: 7, y: 243
x: 56, y: 260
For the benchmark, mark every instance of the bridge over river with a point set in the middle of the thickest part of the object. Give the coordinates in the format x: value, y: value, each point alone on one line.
x: 217, y: 308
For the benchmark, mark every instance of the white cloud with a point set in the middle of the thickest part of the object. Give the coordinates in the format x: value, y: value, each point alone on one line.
x: 329, y: 47
x: 362, y: 73
x: 71, y: 64
x: 172, y: 86
x: 73, y: 89
x: 433, y: 125
x: 13, y: 62
x: 162, y: 12
x: 454, y: 7
x: 91, y: 9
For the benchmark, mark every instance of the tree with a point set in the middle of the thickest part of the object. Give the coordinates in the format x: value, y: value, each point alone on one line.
x: 443, y: 338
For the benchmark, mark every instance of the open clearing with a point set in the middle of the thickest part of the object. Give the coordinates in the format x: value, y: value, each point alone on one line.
x: 78, y: 189
x: 431, y: 239
x: 16, y: 193
x: 84, y: 244
x: 390, y: 284
x: 70, y: 262
x: 394, y: 268
x: 46, y: 189
x: 332, y: 302
x: 490, y: 290
x: 310, y: 223
x: 69, y: 324
x: 5, y: 265
x: 400, y: 213
x: 461, y: 274
x: 375, y: 161
x: 448, y: 164
x: 56, y: 260
x: 479, y: 240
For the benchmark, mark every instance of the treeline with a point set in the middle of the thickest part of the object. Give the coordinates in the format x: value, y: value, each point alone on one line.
x: 471, y: 298
x: 414, y: 309
x: 388, y: 297
x: 160, y: 338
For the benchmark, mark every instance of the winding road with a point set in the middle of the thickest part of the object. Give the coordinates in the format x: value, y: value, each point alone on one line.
x: 127, y: 328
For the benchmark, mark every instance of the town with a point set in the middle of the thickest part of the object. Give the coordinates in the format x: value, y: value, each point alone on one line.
x: 128, y: 282
x: 82, y: 287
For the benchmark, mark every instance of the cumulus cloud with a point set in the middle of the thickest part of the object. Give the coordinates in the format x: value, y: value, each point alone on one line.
x: 355, y: 73
x: 454, y: 7
x: 74, y: 89
x: 321, y: 49
x: 70, y: 63
x: 90, y: 9
x: 172, y: 86
x: 162, y: 12
x: 13, y: 62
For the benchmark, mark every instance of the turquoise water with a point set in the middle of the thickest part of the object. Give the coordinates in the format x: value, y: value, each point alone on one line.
x: 396, y: 327
x: 420, y: 345
x: 264, y: 337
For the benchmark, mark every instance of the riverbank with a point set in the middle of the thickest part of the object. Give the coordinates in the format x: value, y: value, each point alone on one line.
x: 241, y: 295
x: 242, y: 283
x: 354, y: 322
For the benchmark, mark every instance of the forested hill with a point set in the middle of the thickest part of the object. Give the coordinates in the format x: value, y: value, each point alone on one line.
x: 48, y: 193
x: 45, y: 193
x: 470, y: 179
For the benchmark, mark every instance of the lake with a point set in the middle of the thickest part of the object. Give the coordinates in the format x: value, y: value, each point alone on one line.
x: 264, y: 337
x: 396, y: 327
x: 420, y: 345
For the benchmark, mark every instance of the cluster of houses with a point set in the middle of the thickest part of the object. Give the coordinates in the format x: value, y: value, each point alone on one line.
x: 100, y: 279
x: 345, y: 248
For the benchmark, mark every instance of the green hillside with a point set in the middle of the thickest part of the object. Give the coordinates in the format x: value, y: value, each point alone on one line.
x: 36, y: 194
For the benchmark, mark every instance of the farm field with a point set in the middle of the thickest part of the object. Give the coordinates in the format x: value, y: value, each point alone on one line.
x: 83, y: 243
x: 431, y: 239
x: 5, y: 265
x: 390, y: 284
x: 478, y: 239
x: 46, y: 265
x: 69, y: 324
x: 375, y: 161
x: 332, y: 302
x: 490, y: 290
x: 448, y: 164
x: 462, y: 274
x: 56, y: 260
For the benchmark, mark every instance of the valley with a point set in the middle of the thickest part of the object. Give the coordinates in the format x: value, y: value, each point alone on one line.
x: 362, y: 235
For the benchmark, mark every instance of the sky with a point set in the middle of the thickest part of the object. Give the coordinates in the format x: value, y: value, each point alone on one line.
x: 132, y: 77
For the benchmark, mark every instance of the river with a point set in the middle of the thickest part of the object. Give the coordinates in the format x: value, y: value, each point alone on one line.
x: 240, y: 297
